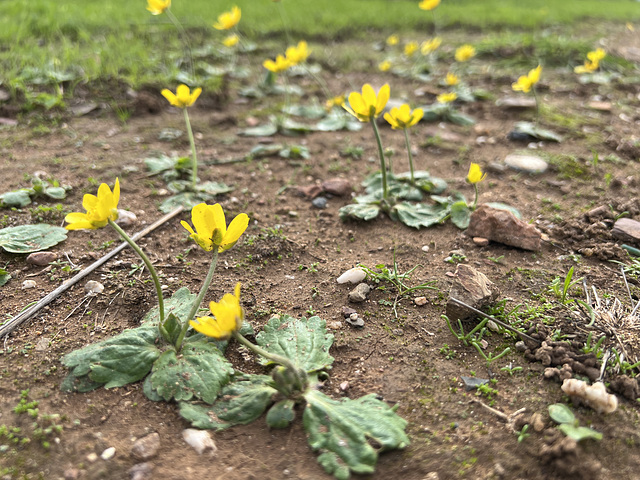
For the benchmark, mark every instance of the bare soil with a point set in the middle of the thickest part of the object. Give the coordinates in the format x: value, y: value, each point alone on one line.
x: 412, y: 361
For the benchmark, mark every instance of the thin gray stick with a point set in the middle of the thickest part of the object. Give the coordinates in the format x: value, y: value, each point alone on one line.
x: 499, y: 322
x: 16, y: 321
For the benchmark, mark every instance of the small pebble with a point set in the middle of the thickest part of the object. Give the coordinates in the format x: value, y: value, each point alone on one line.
x: 353, y: 275
x: 335, y: 325
x: 471, y: 383
x: 42, y: 258
x: 481, y: 242
x: 28, y: 284
x: 319, y: 202
x: 93, y: 288
x: 420, y: 301
x: 92, y: 457
x: 344, y: 386
x: 425, y: 248
x: 108, y: 454
x: 200, y: 440
x: 126, y: 218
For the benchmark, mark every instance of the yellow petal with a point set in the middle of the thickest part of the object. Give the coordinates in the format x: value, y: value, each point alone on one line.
x: 202, y: 219
x: 392, y: 121
x: 358, y: 104
x: 383, y: 98
x: 89, y: 201
x: 170, y: 96
x: 236, y: 228
x: 368, y: 97
x: 188, y: 227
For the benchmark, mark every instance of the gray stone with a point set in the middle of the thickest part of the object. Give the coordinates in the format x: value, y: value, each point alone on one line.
x: 519, y: 102
x: 503, y: 227
x: 141, y: 471
x: 526, y: 163
x: 627, y: 230
x: 471, y: 287
x: 319, y: 202
x: 359, y: 294
x: 42, y: 258
x: 146, y: 447
x: 471, y: 383
x: 126, y: 218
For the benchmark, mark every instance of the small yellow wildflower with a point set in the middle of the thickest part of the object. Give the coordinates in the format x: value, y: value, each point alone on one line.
x: 475, y: 174
x: 211, y: 227
x: 410, y: 48
x: 593, y: 61
x: 231, y: 40
x: 431, y: 45
x: 297, y: 54
x: 183, y: 97
x: 337, y: 101
x: 452, y: 79
x: 393, y: 40
x: 228, y: 317
x: 384, y: 66
x: 228, y: 20
x: 446, y: 97
x: 526, y: 82
x: 465, y: 52
x: 99, y: 209
x: 157, y: 7
x: 278, y: 65
x: 367, y: 105
x: 428, y: 4
x: 402, y: 117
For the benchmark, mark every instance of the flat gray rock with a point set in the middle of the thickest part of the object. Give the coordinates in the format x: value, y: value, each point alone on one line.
x: 526, y: 163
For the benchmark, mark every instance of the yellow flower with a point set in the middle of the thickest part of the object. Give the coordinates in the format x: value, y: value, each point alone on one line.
x: 428, y: 4
x: 156, y: 7
x: 393, y: 40
x: 183, y: 97
x: 211, y: 227
x: 593, y: 62
x: 280, y: 64
x: 228, y: 317
x: 336, y: 101
x: 231, y: 40
x: 297, y: 54
x: 431, y: 45
x: 228, y: 20
x: 526, y: 82
x: 475, y: 174
x: 596, y: 55
x: 410, y: 48
x: 446, y: 97
x: 452, y: 79
x: 464, y: 53
x: 403, y: 117
x: 366, y: 105
x: 99, y: 209
x: 384, y: 66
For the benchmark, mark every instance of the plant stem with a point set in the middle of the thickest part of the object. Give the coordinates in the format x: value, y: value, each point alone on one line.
x: 284, y: 361
x: 194, y: 158
x: 535, y: 96
x: 406, y: 139
x: 185, y: 38
x: 285, y: 26
x: 475, y: 200
x: 383, y: 166
x: 152, y: 271
x: 198, y: 300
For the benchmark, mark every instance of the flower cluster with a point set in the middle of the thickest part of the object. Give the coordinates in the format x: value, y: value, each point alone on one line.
x: 294, y: 55
x: 526, y: 82
x: 593, y: 61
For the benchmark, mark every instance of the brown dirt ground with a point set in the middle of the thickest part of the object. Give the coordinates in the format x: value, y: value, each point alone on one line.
x: 399, y: 359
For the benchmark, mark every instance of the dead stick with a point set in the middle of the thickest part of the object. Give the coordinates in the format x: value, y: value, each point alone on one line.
x: 16, y: 321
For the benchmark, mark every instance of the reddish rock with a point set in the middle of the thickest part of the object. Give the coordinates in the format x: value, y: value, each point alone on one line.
x: 310, y: 191
x: 337, y: 186
x: 471, y: 287
x: 481, y: 242
x: 502, y: 226
x: 42, y: 258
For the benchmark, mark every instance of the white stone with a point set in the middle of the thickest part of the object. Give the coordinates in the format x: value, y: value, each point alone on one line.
x: 526, y: 163
x: 353, y: 275
x: 93, y: 288
x: 126, y: 218
x: 108, y: 454
x: 28, y: 284
x: 595, y: 395
x: 420, y: 301
x: 200, y: 440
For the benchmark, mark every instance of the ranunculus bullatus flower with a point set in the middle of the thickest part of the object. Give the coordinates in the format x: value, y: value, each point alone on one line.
x: 428, y: 4
x: 227, y: 318
x: 278, y: 65
x: 393, y: 40
x: 465, y: 52
x: 402, y: 117
x: 431, y: 45
x: 367, y: 105
x: 100, y: 209
x: 183, y: 97
x: 384, y: 66
x: 337, y: 101
x: 231, y: 41
x: 526, y: 82
x: 157, y: 7
x: 593, y: 61
x: 228, y: 20
x: 452, y: 79
x: 297, y: 54
x: 410, y: 48
x: 211, y: 227
x: 475, y: 174
x: 446, y: 97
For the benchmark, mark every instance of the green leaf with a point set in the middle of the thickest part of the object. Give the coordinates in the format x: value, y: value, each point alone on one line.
x: 4, y: 277
x: 504, y: 206
x: 18, y: 199
x: 57, y: 193
x: 173, y: 327
x: 31, y: 238
x: 460, y: 214
x: 213, y: 188
x: 260, y: 151
x: 459, y: 118
x: 242, y: 401
x: 82, y: 384
x: 199, y: 371
x: 344, y: 430
x: 310, y: 111
x: 560, y: 413
x: 149, y: 392
x: 419, y: 215
x: 364, y: 212
x: 305, y: 342
x: 185, y: 199
x: 179, y: 305
x: 117, y: 361
x: 281, y: 414
x: 537, y: 132
x: 579, y: 433
x: 160, y: 164
x: 265, y: 130
x: 337, y: 120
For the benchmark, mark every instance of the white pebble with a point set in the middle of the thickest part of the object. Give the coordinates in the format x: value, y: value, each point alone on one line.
x: 108, y: 454
x: 353, y: 275
x: 420, y: 301
x: 93, y: 288
x: 425, y: 248
x: 28, y: 284
x: 595, y: 396
x: 126, y: 218
x: 200, y: 440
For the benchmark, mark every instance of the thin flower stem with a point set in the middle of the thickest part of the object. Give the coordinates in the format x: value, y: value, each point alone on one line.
x: 185, y: 38
x: 194, y: 158
x: 475, y: 201
x: 535, y: 96
x: 406, y: 138
x: 285, y: 26
x: 284, y: 361
x: 152, y: 271
x: 385, y: 189
x: 198, y: 300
